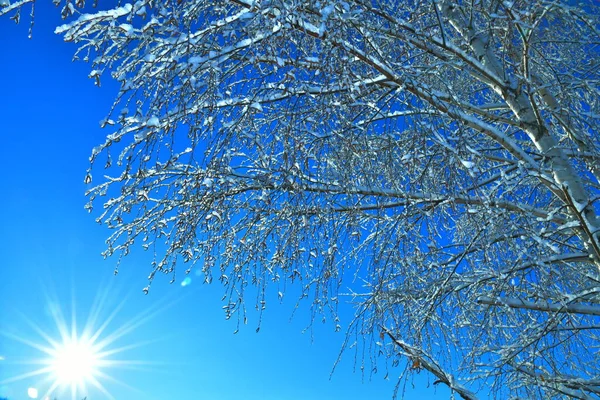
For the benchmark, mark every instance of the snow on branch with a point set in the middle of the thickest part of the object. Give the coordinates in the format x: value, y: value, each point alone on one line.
x: 423, y: 360
x: 540, y: 306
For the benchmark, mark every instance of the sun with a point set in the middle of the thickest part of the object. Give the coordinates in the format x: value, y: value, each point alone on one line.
x: 74, y: 363
x: 77, y: 360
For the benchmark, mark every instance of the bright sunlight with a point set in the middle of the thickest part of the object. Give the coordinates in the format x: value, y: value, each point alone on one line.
x: 77, y: 360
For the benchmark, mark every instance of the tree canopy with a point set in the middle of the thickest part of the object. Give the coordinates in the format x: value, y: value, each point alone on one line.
x: 439, y: 161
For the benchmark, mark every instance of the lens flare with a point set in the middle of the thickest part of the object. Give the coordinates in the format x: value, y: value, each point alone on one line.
x: 32, y: 393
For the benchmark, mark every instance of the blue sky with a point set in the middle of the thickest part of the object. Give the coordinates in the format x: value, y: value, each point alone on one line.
x: 184, y: 348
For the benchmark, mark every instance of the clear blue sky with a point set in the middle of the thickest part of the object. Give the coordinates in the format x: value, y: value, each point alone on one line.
x: 49, y: 113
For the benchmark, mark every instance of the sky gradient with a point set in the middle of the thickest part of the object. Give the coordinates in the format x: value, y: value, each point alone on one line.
x: 180, y: 346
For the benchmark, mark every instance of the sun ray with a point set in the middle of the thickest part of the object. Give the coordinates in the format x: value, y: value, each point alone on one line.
x: 98, y: 305
x: 133, y: 324
x: 51, y: 389
x: 101, y: 387
x: 117, y: 350
x: 121, y: 383
x: 25, y: 375
x: 108, y: 320
x: 30, y: 343
x: 56, y: 312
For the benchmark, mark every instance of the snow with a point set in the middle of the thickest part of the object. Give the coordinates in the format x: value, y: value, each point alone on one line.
x: 467, y: 164
x: 141, y: 11
x: 153, y: 122
x: 109, y: 14
x: 246, y: 15
x: 138, y: 137
x: 213, y: 214
x: 127, y: 28
x: 326, y: 11
x: 195, y: 60
x: 579, y: 206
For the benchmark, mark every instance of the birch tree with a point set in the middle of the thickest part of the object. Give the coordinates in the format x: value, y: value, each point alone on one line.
x: 436, y: 162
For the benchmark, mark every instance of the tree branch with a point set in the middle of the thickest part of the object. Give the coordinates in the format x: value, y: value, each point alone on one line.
x: 425, y: 361
x: 540, y: 306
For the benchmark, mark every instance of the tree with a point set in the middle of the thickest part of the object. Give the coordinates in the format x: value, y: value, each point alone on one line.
x: 439, y: 160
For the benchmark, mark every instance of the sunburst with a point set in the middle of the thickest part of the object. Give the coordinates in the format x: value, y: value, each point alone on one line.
x: 79, y: 359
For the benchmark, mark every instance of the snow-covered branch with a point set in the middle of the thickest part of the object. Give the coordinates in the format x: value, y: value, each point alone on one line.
x: 541, y: 306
